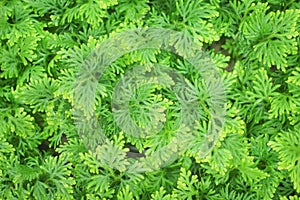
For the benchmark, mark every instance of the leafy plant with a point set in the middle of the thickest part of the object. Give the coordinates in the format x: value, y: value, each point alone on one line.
x: 255, y: 46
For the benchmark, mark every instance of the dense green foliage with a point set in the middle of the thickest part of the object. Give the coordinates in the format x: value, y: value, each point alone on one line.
x: 255, y: 45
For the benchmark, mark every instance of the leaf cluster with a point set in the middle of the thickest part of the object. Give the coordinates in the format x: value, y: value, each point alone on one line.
x: 255, y: 46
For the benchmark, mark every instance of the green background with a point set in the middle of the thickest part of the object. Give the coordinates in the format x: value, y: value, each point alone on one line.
x: 254, y: 44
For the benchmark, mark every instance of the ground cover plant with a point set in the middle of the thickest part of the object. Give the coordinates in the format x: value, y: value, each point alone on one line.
x: 255, y: 47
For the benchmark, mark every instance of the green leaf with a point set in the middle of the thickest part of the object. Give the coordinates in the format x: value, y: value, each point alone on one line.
x: 125, y: 194
x: 271, y: 35
x: 134, y: 10
x: 220, y: 160
x: 190, y: 187
x: 282, y: 105
x: 39, y: 94
x: 19, y: 122
x: 56, y: 180
x: 287, y: 146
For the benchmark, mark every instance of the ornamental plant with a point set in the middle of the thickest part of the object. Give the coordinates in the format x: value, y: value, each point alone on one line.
x: 46, y: 154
